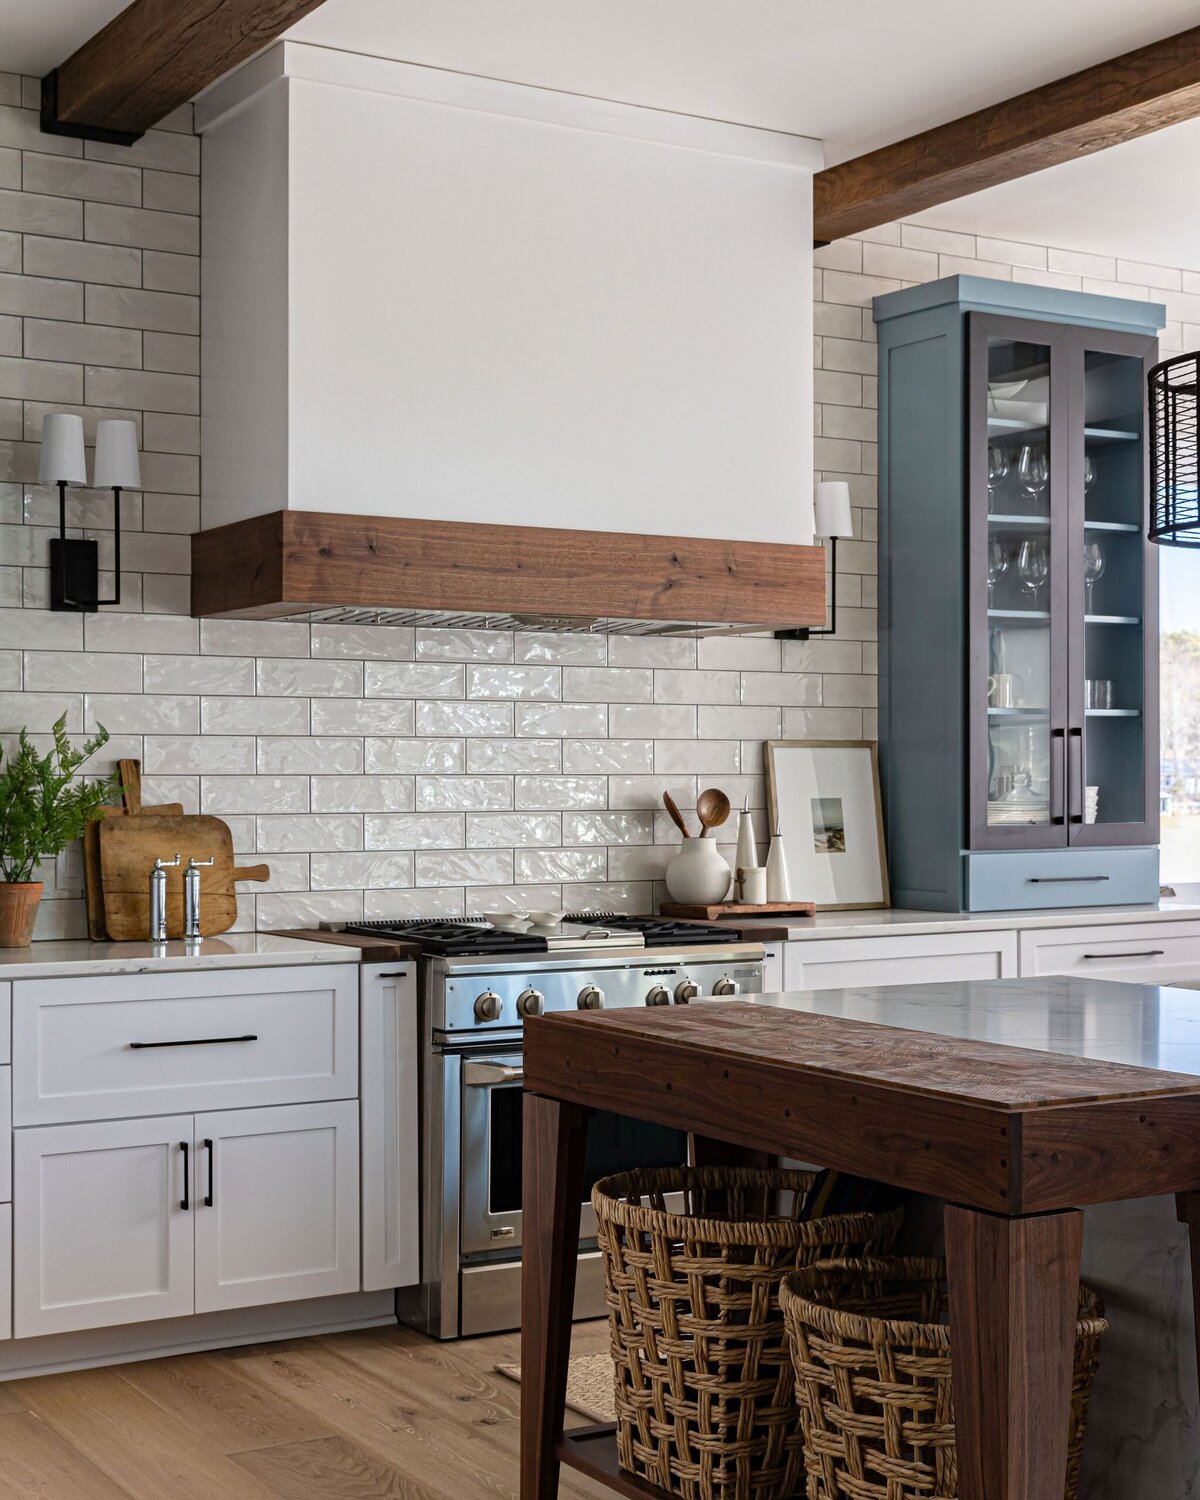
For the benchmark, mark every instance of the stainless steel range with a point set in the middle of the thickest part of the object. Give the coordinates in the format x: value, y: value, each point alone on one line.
x: 477, y: 987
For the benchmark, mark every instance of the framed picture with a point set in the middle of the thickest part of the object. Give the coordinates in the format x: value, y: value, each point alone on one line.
x: 823, y: 796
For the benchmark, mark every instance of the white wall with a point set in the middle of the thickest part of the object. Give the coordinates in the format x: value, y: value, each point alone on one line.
x: 600, y: 322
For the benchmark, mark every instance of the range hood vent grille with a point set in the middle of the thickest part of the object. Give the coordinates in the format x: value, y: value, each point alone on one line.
x: 546, y: 624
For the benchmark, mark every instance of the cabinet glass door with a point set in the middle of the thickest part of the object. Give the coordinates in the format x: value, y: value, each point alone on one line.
x: 1113, y: 771
x: 1017, y: 584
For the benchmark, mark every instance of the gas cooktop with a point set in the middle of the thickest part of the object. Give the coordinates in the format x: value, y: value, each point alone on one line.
x: 467, y: 935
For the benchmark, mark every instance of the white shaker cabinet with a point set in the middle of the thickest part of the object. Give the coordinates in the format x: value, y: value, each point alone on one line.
x: 847, y: 963
x: 390, y: 1090
x: 276, y: 1204
x: 103, y: 1231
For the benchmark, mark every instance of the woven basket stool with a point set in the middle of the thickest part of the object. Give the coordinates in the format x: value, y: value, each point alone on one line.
x: 871, y: 1352
x: 703, y: 1384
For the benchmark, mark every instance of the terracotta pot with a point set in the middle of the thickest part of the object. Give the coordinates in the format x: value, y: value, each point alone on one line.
x: 18, y: 910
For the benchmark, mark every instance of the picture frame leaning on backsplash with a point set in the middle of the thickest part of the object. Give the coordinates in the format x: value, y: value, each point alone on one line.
x: 823, y: 796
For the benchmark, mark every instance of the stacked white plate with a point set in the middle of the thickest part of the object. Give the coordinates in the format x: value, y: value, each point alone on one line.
x: 1091, y: 803
x: 1004, y: 812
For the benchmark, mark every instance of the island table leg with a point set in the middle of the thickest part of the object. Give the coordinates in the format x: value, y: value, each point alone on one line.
x: 1014, y: 1286
x: 555, y: 1136
x: 1188, y: 1210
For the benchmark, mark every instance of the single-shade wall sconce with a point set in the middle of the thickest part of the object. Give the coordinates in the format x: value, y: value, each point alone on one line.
x: 832, y: 518
x: 74, y: 561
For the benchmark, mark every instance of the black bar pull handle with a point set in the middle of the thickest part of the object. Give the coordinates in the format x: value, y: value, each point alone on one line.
x: 1075, y: 778
x: 1149, y: 953
x: 212, y: 1174
x: 196, y: 1041
x: 185, y: 1201
x: 1066, y: 879
x: 1058, y: 774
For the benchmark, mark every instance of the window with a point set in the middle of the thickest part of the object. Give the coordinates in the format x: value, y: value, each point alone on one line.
x: 1179, y: 666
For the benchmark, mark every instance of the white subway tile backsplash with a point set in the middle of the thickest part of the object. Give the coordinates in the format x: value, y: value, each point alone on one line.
x: 254, y: 794
x: 513, y: 830
x: 436, y: 719
x: 210, y: 754
x: 607, y: 756
x: 700, y: 757
x: 514, y: 755
x: 414, y: 831
x: 475, y: 867
x: 82, y: 671
x: 464, y: 791
x: 560, y: 791
x: 515, y: 682
x: 304, y: 833
x: 198, y: 674
x: 148, y: 713
x: 650, y: 651
x: 310, y: 756
x: 464, y: 645
x: 135, y: 633
x: 381, y: 716
x: 367, y: 871
x: 253, y: 638
x: 561, y: 650
x: 267, y: 716
x: 372, y: 642
x: 362, y: 794
x: 417, y: 679
x: 535, y: 866
x: 289, y: 676
x: 607, y: 828
x: 437, y: 757
x: 696, y: 686
x: 608, y: 684
x: 658, y: 721
x: 561, y: 720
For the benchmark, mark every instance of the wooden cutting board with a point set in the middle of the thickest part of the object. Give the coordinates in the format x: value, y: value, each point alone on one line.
x: 697, y: 911
x: 128, y: 849
x: 93, y: 884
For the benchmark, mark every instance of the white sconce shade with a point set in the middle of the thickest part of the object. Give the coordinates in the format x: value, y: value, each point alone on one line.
x: 831, y: 510
x: 61, y: 460
x: 117, y: 464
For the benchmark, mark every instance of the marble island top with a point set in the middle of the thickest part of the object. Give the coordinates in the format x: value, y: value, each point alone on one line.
x: 898, y: 922
x: 234, y: 950
x: 1141, y: 1025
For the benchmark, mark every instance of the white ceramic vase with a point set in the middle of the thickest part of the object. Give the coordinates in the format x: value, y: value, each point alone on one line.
x: 698, y: 874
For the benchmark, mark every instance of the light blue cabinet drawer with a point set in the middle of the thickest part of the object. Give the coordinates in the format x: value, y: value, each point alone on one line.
x: 1019, y: 880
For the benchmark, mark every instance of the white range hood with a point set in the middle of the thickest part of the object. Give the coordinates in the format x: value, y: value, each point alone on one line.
x: 435, y: 298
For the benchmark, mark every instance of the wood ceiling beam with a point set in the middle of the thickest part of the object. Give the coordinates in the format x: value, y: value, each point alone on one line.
x: 1114, y: 101
x: 153, y: 57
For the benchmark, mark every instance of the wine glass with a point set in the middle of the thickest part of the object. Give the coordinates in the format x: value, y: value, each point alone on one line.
x: 1089, y: 472
x: 1033, y: 567
x: 1093, y: 569
x: 998, y: 467
x: 1033, y: 471
x: 997, y: 566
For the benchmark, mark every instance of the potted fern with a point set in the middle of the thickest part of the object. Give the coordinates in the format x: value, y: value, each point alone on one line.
x: 43, y: 808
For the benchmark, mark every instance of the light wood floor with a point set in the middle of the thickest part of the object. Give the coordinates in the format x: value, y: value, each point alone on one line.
x: 384, y: 1414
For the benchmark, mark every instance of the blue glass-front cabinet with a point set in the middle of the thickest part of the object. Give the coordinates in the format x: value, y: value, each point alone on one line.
x: 1017, y: 604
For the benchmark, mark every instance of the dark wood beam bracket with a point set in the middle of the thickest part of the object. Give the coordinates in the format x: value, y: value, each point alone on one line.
x: 154, y: 56
x: 1105, y: 105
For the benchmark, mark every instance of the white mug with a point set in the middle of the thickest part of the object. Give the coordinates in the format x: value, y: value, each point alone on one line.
x: 1003, y: 690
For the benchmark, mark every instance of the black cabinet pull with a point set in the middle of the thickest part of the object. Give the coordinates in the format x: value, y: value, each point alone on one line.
x: 1075, y: 775
x: 185, y: 1202
x: 1058, y: 774
x: 196, y: 1041
x: 212, y: 1174
x: 1149, y: 953
x: 1065, y: 879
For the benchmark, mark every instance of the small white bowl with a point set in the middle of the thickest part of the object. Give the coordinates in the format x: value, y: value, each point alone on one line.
x: 506, y: 921
x: 545, y: 918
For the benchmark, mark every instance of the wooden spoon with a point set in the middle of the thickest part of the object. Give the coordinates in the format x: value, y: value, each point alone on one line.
x: 676, y: 816
x: 712, y: 808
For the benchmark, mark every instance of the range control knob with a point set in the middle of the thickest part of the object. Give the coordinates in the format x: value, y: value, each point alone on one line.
x: 688, y: 990
x: 530, y: 1003
x: 488, y: 1006
x: 725, y: 987
x: 659, y: 995
x: 591, y: 997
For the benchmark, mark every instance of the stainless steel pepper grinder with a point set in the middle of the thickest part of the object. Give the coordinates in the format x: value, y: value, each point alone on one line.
x: 158, y: 898
x: 191, y: 896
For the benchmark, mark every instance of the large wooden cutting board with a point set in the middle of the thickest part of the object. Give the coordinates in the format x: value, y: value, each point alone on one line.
x: 93, y: 883
x: 128, y: 849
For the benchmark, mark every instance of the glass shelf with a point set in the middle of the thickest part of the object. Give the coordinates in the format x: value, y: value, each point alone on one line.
x: 999, y: 520
x: 1113, y: 713
x: 1112, y: 620
x: 1020, y: 715
x: 1019, y: 616
x: 1111, y: 526
x: 1094, y: 434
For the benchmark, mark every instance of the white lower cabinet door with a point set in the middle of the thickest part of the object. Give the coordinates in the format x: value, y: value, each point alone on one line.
x: 391, y: 1125
x: 102, y: 1229
x: 277, y: 1199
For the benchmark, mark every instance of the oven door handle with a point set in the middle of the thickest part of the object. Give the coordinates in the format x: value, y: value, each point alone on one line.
x: 481, y: 1075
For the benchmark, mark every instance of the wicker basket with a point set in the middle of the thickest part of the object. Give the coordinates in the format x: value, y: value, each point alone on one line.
x: 871, y: 1352
x: 703, y: 1385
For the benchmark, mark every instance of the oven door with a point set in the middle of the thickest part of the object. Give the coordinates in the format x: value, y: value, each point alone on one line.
x: 490, y: 1169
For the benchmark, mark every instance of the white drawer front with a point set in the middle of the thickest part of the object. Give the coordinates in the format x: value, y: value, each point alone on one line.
x: 5, y: 1135
x: 144, y: 1044
x: 850, y: 963
x: 6, y: 1263
x: 1153, y: 952
x: 5, y: 1023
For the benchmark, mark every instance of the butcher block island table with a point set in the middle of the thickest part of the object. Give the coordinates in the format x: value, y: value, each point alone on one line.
x: 1018, y: 1102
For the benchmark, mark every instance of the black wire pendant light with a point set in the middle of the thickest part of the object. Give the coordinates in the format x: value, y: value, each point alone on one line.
x: 1175, y: 451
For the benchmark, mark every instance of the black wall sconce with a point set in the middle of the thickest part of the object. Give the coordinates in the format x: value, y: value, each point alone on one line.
x: 832, y: 518
x: 74, y: 561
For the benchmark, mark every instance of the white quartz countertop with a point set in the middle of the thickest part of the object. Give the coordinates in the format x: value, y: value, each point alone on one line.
x: 1145, y: 1025
x: 240, y: 950
x: 848, y: 924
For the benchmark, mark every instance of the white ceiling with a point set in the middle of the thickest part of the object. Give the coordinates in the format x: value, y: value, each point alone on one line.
x: 856, y: 75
